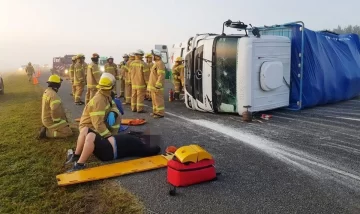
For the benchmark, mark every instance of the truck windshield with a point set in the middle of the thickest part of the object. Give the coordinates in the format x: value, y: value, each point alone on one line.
x: 225, y: 74
x: 164, y: 57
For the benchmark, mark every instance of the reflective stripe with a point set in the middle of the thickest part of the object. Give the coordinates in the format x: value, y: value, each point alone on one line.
x: 135, y: 64
x: 128, y: 97
x: 97, y: 113
x: 56, y: 119
x: 108, y: 106
x: 161, y: 71
x: 153, y: 88
x: 140, y: 104
x: 133, y: 104
x: 105, y: 132
x: 127, y: 81
x: 159, y: 85
x: 116, y: 126
x: 146, y: 70
x: 95, y: 72
x: 57, y: 124
x: 55, y: 133
x: 91, y: 86
x: 160, y: 108
x: 138, y: 86
x: 125, y: 67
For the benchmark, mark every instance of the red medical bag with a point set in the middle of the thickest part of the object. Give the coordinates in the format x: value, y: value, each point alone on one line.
x: 186, y: 174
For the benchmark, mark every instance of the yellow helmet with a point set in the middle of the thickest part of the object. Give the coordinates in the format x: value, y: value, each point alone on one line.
x: 148, y: 55
x: 79, y: 56
x: 179, y: 59
x: 73, y: 58
x: 107, y: 81
x: 55, y: 79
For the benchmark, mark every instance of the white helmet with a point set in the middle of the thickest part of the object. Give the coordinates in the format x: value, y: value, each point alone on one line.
x: 156, y: 52
x: 139, y: 52
x: 125, y: 55
x: 131, y: 54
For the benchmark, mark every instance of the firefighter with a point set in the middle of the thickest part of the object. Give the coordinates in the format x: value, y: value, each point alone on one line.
x: 71, y: 75
x: 178, y: 75
x: 122, y: 75
x: 149, y: 61
x: 156, y: 85
x: 92, y: 77
x: 127, y: 79
x: 79, y: 78
x: 55, y: 124
x: 110, y: 67
x: 138, y: 70
x: 30, y: 71
x: 101, y: 113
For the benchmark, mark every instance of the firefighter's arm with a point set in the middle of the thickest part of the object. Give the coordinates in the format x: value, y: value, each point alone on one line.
x: 182, y: 77
x: 116, y: 73
x: 114, y: 109
x: 56, y: 111
x: 96, y: 74
x: 161, y: 76
x: 97, y: 115
x: 146, y: 73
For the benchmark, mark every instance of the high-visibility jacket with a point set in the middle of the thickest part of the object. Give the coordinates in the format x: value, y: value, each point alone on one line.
x: 126, y: 71
x: 71, y: 72
x: 93, y: 75
x: 147, y: 76
x: 79, y: 73
x: 178, y: 73
x: 52, y: 112
x: 137, y: 71
x: 122, y: 70
x: 157, y: 76
x: 96, y: 112
x: 30, y: 70
x: 112, y: 69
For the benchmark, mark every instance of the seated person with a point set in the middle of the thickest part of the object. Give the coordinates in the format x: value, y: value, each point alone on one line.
x: 111, y: 148
x: 53, y: 115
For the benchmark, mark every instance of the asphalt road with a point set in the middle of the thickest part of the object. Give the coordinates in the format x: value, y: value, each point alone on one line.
x: 296, y: 162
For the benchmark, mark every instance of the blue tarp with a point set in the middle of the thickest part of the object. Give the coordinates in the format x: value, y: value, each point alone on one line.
x: 331, y: 66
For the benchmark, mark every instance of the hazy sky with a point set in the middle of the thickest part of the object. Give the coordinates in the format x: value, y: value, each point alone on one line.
x: 37, y: 30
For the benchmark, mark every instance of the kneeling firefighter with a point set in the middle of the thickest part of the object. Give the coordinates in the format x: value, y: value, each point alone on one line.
x: 101, y: 113
x: 55, y: 124
x: 178, y: 76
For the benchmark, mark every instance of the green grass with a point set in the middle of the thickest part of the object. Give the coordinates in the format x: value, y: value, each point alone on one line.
x: 28, y: 167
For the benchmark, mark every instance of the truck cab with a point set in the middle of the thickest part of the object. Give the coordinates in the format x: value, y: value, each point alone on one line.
x: 236, y: 73
x: 102, y: 62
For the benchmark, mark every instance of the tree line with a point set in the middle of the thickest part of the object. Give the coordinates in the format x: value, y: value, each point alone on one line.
x: 346, y: 30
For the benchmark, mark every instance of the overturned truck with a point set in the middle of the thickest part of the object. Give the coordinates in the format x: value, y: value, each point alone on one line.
x: 277, y: 66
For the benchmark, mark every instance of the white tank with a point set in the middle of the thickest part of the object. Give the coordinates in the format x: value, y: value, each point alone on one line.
x: 263, y: 73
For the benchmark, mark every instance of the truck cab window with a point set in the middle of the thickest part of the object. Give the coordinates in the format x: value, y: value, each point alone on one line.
x: 225, y: 74
x: 164, y: 57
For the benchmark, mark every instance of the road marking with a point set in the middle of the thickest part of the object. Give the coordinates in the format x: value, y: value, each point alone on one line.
x: 346, y: 118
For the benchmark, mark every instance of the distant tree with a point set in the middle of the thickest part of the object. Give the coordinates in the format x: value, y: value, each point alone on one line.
x: 348, y: 29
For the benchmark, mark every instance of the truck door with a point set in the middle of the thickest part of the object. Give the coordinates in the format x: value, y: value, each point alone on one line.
x: 198, y: 72
x: 189, y: 73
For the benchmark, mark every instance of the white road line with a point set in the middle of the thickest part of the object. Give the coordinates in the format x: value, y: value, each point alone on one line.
x: 346, y: 118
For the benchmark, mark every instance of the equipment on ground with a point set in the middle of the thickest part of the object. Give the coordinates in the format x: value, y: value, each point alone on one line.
x: 114, y: 170
x: 133, y: 122
x: 190, y: 165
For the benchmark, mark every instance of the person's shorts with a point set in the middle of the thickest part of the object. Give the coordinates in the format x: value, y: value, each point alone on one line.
x: 103, y: 149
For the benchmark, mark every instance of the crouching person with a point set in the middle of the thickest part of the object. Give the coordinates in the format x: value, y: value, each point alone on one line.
x: 110, y: 148
x: 53, y: 115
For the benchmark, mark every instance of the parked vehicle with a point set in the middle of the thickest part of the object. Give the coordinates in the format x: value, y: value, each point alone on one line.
x: 2, y: 86
x: 61, y: 65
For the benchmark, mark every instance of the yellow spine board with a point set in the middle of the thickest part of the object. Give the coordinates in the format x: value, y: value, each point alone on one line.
x: 191, y: 153
x: 113, y: 170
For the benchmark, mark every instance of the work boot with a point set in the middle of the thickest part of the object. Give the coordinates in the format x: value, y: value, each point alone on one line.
x: 77, y: 166
x: 42, y: 133
x: 156, y: 116
x: 73, y: 158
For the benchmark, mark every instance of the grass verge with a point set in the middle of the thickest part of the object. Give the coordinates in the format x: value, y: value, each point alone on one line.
x: 28, y: 167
